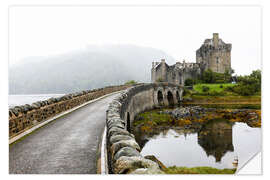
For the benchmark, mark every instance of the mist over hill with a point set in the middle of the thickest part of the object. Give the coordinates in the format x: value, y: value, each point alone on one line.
x: 94, y: 67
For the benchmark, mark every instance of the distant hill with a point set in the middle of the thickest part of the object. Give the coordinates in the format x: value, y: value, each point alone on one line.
x: 95, y: 67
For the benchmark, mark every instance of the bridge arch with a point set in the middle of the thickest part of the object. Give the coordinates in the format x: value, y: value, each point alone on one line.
x: 128, y: 122
x: 170, y: 98
x: 160, y: 98
x: 177, y: 97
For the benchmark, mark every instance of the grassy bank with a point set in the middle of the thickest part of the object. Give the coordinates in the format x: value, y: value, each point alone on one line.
x: 153, y: 118
x: 217, y: 94
x: 198, y: 170
x: 201, y: 99
x: 212, y: 87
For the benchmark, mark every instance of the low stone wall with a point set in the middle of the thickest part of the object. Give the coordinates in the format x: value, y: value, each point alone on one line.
x: 26, y: 116
x: 123, y: 151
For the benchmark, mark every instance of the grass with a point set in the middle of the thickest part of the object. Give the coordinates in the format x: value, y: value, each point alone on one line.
x: 240, y: 101
x: 198, y: 170
x: 154, y: 117
x: 229, y: 106
x: 212, y: 87
x: 219, y: 95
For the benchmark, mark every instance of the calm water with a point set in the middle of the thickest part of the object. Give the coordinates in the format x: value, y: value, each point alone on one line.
x: 16, y: 100
x: 216, y: 145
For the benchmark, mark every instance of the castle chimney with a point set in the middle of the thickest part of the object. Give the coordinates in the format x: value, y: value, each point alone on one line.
x: 215, y: 39
x: 163, y: 70
x: 162, y: 60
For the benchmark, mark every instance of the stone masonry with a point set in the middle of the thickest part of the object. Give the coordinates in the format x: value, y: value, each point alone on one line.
x: 213, y: 54
x: 123, y: 151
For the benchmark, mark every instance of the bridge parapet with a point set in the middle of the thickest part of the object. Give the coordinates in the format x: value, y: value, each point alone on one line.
x: 123, y: 151
x: 21, y: 118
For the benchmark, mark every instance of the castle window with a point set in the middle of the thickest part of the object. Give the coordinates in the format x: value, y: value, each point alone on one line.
x: 217, y: 60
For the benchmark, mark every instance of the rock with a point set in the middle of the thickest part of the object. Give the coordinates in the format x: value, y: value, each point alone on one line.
x: 41, y: 103
x: 124, y: 143
x: 112, y: 114
x: 58, y: 99
x: 112, y: 118
x: 115, y: 124
x: 51, y: 100
x: 10, y: 113
x: 153, y: 158
x: 125, y: 165
x: 117, y: 138
x: 18, y: 109
x: 187, y: 99
x: 29, y: 107
x: 126, y: 151
x: 35, y: 105
x: 118, y: 131
x: 16, y: 113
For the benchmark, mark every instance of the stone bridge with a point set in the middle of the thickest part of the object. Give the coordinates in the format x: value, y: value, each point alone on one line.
x: 123, y: 152
x: 63, y: 135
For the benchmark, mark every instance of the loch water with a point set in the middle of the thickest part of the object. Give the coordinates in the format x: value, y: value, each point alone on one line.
x: 17, y: 100
x: 218, y: 144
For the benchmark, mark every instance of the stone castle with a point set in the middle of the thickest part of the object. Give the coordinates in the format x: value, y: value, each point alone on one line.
x: 213, y: 54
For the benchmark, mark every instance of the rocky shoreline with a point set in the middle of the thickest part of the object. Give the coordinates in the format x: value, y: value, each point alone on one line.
x: 197, y: 113
x: 194, y: 117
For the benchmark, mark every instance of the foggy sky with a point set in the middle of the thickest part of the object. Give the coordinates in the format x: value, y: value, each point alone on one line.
x: 177, y: 30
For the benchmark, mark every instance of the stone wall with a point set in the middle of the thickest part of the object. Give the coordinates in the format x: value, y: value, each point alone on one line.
x: 123, y: 151
x: 176, y: 73
x: 26, y: 116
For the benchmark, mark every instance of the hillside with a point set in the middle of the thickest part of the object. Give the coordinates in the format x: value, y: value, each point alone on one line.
x: 94, y: 67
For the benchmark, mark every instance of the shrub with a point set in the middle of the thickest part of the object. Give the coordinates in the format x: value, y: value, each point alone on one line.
x: 247, y: 85
x: 159, y: 80
x: 244, y: 90
x: 189, y: 82
x: 186, y: 92
x: 205, y: 88
x: 229, y: 88
x: 215, y: 93
x: 130, y: 82
x: 209, y: 76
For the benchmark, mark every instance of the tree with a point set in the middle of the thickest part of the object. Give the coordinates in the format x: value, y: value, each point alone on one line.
x: 208, y: 76
x: 227, y: 75
x: 249, y: 84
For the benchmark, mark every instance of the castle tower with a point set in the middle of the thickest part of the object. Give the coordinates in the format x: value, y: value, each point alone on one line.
x: 153, y: 72
x: 215, y: 39
x: 163, y: 70
x: 215, y: 54
x: 159, y: 71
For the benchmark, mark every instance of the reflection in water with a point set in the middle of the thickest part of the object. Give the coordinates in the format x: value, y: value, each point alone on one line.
x: 215, y: 145
x: 216, y: 138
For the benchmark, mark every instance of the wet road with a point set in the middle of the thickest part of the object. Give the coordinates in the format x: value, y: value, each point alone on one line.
x: 67, y: 145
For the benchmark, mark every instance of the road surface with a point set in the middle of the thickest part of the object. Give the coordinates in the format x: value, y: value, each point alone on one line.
x: 67, y: 145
